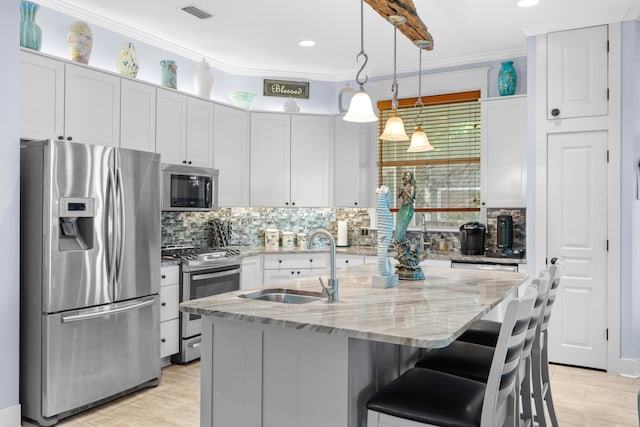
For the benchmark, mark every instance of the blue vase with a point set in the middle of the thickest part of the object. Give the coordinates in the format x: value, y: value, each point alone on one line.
x: 507, y: 79
x: 30, y: 33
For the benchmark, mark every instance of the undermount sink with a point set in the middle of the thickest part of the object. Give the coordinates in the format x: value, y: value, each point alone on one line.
x: 285, y: 296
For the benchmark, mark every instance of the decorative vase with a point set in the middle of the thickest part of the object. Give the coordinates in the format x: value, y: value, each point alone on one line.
x: 507, y: 79
x: 80, y: 41
x: 30, y: 32
x: 203, y: 79
x: 345, y: 90
x: 128, y: 60
x: 169, y: 74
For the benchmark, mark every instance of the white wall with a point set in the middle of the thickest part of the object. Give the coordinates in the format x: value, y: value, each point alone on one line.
x: 630, y: 205
x: 9, y: 212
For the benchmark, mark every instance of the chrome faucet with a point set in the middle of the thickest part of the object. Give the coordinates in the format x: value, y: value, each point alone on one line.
x: 330, y: 291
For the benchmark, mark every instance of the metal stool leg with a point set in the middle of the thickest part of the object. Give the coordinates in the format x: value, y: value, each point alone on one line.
x: 546, y: 384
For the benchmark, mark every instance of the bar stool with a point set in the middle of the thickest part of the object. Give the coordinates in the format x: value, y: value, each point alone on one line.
x: 424, y: 396
x: 486, y: 332
x: 473, y: 361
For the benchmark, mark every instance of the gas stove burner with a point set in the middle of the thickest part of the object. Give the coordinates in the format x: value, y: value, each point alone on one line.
x: 191, y: 257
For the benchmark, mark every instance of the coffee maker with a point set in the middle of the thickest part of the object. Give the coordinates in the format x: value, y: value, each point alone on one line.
x: 472, y: 235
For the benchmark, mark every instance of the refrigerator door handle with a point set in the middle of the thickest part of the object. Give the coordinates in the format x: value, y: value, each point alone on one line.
x: 120, y: 309
x: 121, y: 224
x: 110, y: 241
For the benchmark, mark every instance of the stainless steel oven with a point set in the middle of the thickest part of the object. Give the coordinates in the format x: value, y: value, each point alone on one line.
x: 204, y: 272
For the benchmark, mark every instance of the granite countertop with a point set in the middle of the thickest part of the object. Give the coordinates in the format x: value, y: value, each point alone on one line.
x: 371, y: 251
x: 428, y: 313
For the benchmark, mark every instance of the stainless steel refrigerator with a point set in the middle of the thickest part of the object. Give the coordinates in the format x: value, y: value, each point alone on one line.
x: 90, y: 275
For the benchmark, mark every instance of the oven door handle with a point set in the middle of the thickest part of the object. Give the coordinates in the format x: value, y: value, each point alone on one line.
x: 214, y: 275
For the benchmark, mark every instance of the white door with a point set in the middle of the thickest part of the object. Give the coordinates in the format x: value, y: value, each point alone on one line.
x: 311, y: 171
x: 231, y: 155
x: 270, y: 159
x: 577, y: 73
x: 577, y: 235
x: 171, y: 126
x: 199, y: 132
x: 92, y: 106
x: 137, y: 116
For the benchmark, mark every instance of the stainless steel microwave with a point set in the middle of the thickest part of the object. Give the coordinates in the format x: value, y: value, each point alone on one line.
x: 188, y: 188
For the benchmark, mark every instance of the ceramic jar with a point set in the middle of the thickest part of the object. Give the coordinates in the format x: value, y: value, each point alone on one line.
x: 30, y: 32
x: 288, y: 241
x: 301, y: 240
x: 290, y: 106
x: 169, y: 74
x: 128, y: 60
x: 507, y: 79
x: 203, y: 79
x: 80, y: 41
x: 271, y: 238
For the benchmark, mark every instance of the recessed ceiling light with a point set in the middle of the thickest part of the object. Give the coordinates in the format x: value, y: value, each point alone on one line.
x: 307, y: 43
x: 527, y: 3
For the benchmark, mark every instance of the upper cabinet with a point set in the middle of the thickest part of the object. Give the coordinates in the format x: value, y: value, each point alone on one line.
x: 66, y: 101
x: 41, y: 97
x: 290, y: 160
x: 577, y: 73
x: 184, y: 132
x: 352, y: 186
x: 231, y: 155
x: 137, y: 115
x: 503, y: 152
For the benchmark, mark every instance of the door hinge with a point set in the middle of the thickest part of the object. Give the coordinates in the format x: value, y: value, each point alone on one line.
x: 546, y: 261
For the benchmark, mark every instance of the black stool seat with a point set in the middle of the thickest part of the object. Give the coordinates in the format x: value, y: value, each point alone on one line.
x: 431, y: 397
x: 484, y: 332
x: 462, y: 359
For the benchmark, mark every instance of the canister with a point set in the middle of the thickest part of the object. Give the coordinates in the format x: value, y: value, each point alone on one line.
x: 287, y: 238
x: 271, y: 238
x: 301, y: 239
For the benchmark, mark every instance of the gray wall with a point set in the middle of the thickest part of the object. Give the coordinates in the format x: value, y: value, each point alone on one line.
x: 9, y: 203
x: 630, y: 206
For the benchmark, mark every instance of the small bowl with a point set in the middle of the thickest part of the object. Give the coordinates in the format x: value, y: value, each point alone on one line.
x: 241, y: 99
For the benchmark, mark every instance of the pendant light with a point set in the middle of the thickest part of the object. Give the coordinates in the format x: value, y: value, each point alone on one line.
x: 394, y: 129
x: 419, y: 140
x: 360, y: 108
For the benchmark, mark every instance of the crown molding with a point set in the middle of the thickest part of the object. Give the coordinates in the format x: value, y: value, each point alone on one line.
x: 632, y: 14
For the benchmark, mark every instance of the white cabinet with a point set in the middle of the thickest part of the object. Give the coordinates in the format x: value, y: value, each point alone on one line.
x: 92, y: 106
x: 137, y: 115
x: 577, y: 64
x: 290, y: 160
x: 346, y: 260
x: 503, y: 152
x: 352, y: 187
x: 251, y: 274
x: 66, y: 101
x: 294, y: 266
x: 231, y: 145
x: 41, y: 97
x: 169, y: 310
x: 184, y: 130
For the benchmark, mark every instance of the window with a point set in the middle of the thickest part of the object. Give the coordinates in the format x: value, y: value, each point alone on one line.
x: 447, y: 178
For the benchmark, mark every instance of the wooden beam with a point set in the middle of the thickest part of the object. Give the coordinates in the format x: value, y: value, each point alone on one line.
x: 414, y: 28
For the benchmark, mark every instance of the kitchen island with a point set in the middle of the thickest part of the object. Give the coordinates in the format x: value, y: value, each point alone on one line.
x: 315, y: 364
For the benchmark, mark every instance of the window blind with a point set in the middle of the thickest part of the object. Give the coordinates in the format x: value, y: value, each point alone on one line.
x: 448, y: 177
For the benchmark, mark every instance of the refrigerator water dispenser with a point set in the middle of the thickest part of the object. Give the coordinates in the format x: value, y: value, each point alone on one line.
x: 76, y: 224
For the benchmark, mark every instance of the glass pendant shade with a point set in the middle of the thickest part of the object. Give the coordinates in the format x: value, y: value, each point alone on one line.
x: 394, y: 129
x: 360, y: 109
x: 419, y: 142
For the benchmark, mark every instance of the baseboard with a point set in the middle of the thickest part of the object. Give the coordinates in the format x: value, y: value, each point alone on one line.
x: 629, y: 368
x: 10, y: 416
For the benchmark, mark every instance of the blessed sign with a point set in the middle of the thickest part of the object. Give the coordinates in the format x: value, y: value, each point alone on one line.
x: 286, y: 89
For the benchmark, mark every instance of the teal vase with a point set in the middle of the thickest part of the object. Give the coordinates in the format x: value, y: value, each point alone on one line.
x: 507, y: 79
x: 30, y: 33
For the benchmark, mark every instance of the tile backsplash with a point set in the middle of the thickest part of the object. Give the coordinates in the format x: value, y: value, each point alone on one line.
x: 248, y: 224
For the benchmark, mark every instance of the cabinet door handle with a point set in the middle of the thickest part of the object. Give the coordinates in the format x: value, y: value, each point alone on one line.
x: 60, y: 137
x: 555, y: 112
x: 293, y: 203
x: 346, y: 261
x: 184, y: 162
x: 164, y: 304
x: 355, y: 203
x: 311, y: 260
x: 286, y: 203
x: 279, y: 261
x: 69, y: 138
x: 189, y: 162
x: 162, y: 340
x: 164, y: 276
